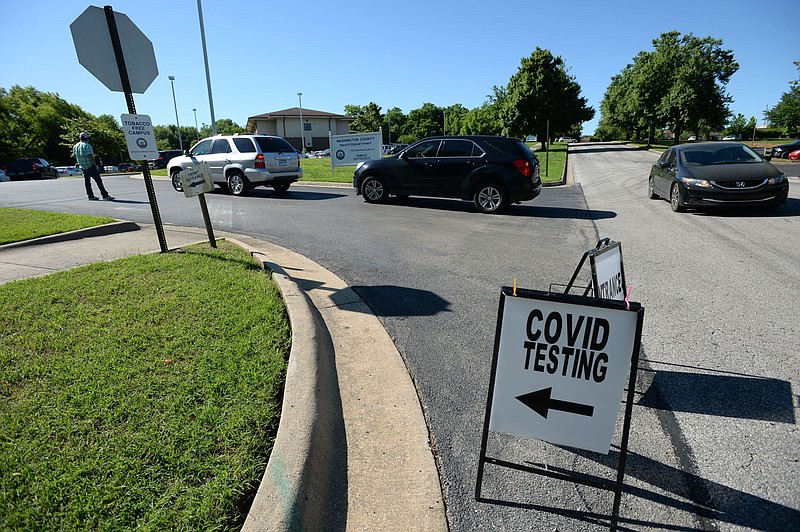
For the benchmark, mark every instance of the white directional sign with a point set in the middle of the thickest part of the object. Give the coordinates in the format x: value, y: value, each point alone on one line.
x: 196, y: 180
x: 96, y: 53
x: 561, y: 369
x: 140, y: 137
x: 349, y: 150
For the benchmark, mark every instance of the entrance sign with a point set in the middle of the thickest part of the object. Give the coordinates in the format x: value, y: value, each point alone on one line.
x: 349, y: 150
x: 608, y: 275
x: 560, y: 370
x: 140, y: 137
x: 196, y: 180
x: 92, y: 40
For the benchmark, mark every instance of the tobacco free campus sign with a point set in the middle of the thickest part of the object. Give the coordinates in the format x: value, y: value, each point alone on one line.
x: 561, y: 364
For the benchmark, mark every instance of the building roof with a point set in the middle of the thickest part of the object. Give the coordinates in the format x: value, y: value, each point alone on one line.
x: 294, y: 112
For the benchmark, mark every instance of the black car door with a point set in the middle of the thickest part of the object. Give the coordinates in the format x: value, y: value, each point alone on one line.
x: 665, y: 172
x: 457, y: 159
x: 414, y: 172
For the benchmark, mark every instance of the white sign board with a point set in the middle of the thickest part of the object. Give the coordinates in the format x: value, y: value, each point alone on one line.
x: 608, y: 275
x: 196, y: 180
x: 140, y: 137
x: 560, y: 370
x: 349, y: 150
x: 92, y: 40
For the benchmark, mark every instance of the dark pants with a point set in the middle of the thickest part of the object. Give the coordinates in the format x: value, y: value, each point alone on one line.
x: 93, y: 173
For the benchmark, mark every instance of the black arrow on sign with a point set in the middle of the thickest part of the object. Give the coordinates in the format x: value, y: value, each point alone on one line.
x: 541, y: 403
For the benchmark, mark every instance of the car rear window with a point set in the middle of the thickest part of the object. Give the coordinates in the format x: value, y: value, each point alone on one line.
x: 273, y: 145
x: 244, y: 145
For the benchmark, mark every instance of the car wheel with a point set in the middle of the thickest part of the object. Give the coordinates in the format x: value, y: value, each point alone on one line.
x: 675, y: 198
x: 175, y: 177
x: 237, y: 184
x: 490, y: 198
x: 374, y: 190
x: 651, y: 193
x: 281, y: 187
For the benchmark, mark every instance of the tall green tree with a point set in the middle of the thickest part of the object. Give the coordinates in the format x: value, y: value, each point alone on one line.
x: 31, y: 123
x: 368, y: 118
x: 426, y: 121
x: 543, y: 91
x: 105, y: 135
x: 786, y: 113
x: 395, y: 124
x: 679, y: 85
x: 454, y: 116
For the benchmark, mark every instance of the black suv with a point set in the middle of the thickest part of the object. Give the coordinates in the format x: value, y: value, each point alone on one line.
x: 163, y: 158
x: 492, y: 172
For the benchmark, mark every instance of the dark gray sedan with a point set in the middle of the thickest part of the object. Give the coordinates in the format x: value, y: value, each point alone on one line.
x: 716, y: 174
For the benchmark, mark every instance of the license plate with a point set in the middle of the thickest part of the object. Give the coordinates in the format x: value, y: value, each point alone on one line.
x: 283, y: 162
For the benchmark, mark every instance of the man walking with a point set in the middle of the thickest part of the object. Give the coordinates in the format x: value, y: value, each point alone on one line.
x: 83, y: 152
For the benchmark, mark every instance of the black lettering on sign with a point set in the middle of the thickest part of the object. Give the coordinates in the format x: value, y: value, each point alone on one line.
x: 575, y: 351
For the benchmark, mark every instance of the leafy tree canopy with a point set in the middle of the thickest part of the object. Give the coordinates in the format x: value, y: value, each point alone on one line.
x: 542, y: 90
x: 786, y: 114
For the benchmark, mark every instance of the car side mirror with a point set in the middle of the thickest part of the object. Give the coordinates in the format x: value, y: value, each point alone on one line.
x: 664, y: 164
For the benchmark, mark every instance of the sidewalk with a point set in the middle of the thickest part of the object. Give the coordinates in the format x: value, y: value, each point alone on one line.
x: 352, y: 449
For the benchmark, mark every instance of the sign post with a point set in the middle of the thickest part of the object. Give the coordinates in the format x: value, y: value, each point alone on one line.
x: 92, y: 46
x: 196, y: 181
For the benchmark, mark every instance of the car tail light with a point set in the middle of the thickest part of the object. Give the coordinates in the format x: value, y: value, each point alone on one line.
x: 523, y: 166
x: 260, y: 161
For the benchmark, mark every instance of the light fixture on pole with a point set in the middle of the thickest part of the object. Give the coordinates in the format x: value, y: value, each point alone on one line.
x: 175, y: 102
x: 197, y: 130
x: 302, y: 134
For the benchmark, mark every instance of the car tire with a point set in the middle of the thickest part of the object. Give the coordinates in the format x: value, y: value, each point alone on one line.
x: 281, y: 187
x: 675, y: 198
x: 490, y: 198
x: 175, y: 177
x: 651, y: 193
x: 237, y: 183
x: 374, y: 190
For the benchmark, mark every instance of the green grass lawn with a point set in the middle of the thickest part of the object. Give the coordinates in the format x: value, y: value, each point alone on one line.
x: 139, y: 393
x: 552, y: 168
x: 23, y: 224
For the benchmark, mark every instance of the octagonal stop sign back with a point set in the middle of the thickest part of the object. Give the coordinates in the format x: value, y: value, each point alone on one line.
x: 96, y: 53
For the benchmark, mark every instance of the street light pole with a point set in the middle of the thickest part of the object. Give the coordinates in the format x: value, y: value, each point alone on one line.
x: 196, y: 129
x: 302, y: 134
x: 175, y: 102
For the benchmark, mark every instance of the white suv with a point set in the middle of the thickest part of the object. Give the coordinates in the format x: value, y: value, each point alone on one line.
x: 239, y: 162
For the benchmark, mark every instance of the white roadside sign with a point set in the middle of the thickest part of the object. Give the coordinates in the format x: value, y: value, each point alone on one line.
x: 140, y: 137
x: 349, y: 150
x: 560, y: 370
x: 608, y: 274
x: 196, y: 180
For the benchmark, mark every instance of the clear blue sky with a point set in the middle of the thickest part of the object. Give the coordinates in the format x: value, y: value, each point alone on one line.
x: 397, y: 54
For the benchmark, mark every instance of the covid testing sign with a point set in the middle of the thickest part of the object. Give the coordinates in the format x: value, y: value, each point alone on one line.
x: 561, y: 364
x: 140, y: 137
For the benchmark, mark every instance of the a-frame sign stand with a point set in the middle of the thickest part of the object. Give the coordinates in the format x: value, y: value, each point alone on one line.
x: 618, y: 315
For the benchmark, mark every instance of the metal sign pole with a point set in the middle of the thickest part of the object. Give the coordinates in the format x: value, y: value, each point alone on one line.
x: 207, y: 220
x: 126, y: 88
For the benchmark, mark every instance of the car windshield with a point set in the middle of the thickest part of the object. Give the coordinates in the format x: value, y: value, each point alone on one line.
x: 706, y: 156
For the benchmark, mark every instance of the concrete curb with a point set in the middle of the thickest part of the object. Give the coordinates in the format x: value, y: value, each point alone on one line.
x: 98, y: 230
x: 295, y: 486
